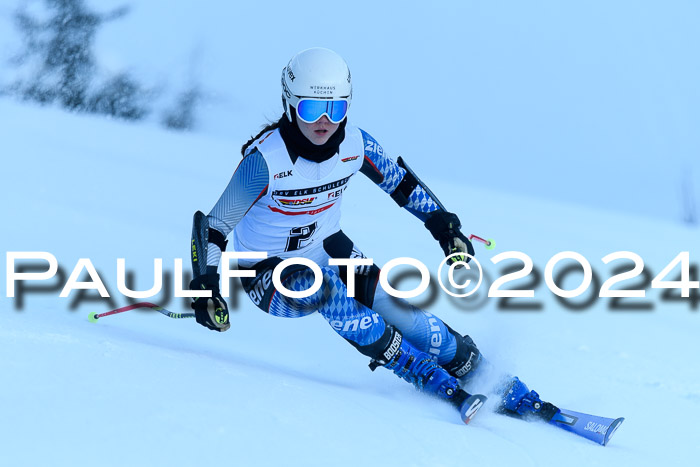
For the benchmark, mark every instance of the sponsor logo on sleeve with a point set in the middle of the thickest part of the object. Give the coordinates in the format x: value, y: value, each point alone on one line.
x: 374, y: 147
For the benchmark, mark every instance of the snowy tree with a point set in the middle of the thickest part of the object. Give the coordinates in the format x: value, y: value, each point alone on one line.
x: 57, y: 65
x: 60, y: 66
x: 182, y: 115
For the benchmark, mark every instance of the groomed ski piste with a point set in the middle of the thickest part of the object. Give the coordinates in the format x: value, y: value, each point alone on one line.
x: 142, y: 389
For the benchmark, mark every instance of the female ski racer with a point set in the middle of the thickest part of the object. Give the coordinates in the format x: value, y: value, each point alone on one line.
x: 284, y: 199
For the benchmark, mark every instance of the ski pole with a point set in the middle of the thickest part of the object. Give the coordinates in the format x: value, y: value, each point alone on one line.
x: 490, y: 243
x: 93, y: 317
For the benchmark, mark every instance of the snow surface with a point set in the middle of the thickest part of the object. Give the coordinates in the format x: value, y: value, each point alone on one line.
x: 577, y: 123
x: 142, y: 389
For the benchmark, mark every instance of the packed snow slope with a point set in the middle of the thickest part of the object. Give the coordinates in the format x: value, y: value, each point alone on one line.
x: 141, y: 389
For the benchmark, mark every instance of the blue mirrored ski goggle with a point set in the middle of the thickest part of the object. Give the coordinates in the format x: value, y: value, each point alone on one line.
x: 311, y: 110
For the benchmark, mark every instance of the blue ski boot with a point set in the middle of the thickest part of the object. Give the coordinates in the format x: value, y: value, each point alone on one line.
x: 421, y: 370
x: 518, y: 401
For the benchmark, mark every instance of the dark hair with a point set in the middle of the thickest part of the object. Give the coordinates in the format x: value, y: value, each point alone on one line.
x: 270, y: 126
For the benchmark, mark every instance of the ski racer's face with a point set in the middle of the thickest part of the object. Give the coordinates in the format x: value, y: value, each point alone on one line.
x: 319, y: 131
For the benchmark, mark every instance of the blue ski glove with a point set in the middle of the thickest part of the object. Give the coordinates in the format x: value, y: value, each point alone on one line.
x: 444, y: 226
x: 210, y: 312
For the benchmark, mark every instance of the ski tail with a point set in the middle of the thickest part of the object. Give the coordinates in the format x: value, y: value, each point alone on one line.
x: 471, y: 406
x: 592, y: 427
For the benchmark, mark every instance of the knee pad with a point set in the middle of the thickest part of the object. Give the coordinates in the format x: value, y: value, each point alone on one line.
x: 339, y: 245
x: 366, y: 285
x: 467, y: 356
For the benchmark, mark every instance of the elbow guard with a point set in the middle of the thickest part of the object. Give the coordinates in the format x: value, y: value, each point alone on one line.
x: 202, y: 236
x: 218, y: 239
x: 404, y: 189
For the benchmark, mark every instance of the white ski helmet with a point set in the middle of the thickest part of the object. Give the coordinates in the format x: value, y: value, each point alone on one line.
x: 315, y: 73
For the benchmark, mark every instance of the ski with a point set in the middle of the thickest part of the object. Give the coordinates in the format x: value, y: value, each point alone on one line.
x: 592, y: 427
x: 519, y: 402
x: 471, y: 406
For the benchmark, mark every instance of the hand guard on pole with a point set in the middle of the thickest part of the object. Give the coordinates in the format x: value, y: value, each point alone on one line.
x: 211, y: 312
x: 445, y: 228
